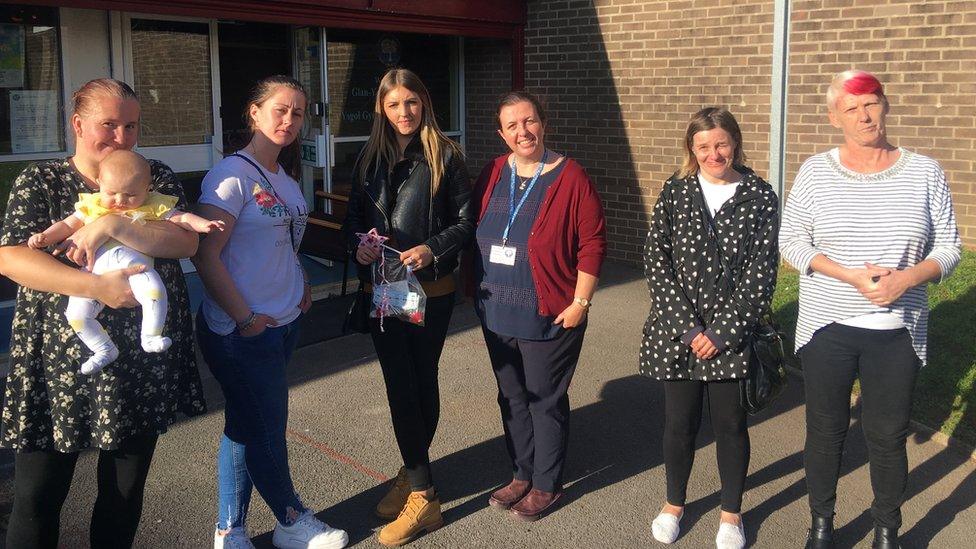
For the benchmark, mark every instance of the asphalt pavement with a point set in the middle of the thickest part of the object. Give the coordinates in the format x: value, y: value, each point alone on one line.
x: 342, y: 448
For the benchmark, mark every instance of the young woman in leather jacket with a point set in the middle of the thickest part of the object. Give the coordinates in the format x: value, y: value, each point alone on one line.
x: 412, y: 186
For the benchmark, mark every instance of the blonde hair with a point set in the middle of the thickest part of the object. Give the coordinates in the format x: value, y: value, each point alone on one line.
x: 855, y: 82
x: 84, y: 99
x: 131, y: 165
x: 382, y: 143
x: 706, y: 119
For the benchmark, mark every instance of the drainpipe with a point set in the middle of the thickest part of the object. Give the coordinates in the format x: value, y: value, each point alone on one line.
x: 778, y: 97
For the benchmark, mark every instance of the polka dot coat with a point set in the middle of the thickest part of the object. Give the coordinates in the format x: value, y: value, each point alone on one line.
x: 688, y: 290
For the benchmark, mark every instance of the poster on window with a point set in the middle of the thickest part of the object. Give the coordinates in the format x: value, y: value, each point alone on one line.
x: 11, y: 56
x: 34, y: 121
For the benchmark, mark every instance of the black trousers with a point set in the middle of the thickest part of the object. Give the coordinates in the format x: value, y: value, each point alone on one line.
x: 682, y: 419
x: 886, y: 364
x: 533, y: 380
x: 409, y: 355
x: 41, y: 482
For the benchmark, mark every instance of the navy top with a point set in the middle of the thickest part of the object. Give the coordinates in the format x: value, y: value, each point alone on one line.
x: 506, y: 298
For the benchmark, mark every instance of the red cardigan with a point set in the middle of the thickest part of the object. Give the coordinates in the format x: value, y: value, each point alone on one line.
x: 569, y: 233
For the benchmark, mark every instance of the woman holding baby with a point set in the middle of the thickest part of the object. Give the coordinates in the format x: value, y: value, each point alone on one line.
x: 51, y: 411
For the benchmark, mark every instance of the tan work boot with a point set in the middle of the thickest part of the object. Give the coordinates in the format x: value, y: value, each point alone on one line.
x: 392, y: 503
x: 421, y: 514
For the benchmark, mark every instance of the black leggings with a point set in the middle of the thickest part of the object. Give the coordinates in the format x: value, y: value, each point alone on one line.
x: 682, y: 418
x: 409, y: 355
x: 886, y: 364
x: 41, y: 483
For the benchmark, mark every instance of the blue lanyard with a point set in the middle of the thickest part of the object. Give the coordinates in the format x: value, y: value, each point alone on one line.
x: 513, y: 209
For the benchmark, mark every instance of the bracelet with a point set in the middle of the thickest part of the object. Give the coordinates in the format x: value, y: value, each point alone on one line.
x: 247, y: 322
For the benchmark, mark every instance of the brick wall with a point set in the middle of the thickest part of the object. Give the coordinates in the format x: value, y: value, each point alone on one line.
x: 622, y: 77
x: 924, y: 53
x: 487, y: 74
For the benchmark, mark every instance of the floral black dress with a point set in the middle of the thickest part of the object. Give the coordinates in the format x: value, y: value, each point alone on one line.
x: 49, y: 404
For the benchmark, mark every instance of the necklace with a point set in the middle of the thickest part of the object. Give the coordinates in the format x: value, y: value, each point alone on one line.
x: 524, y: 181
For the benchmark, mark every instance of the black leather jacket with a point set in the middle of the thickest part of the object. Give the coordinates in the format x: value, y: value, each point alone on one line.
x: 445, y: 222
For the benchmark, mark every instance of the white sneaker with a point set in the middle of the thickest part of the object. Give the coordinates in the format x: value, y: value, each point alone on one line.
x: 308, y: 532
x: 237, y: 538
x: 730, y: 536
x: 665, y: 527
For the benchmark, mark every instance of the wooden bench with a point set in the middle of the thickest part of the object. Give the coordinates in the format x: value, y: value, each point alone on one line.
x: 324, y: 236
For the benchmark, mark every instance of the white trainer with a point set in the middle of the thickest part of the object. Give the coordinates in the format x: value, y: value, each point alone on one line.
x: 730, y: 536
x: 665, y: 527
x: 236, y: 538
x: 308, y: 532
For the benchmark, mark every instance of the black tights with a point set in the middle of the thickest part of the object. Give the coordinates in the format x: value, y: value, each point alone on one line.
x: 682, y: 418
x: 409, y: 355
x: 41, y: 482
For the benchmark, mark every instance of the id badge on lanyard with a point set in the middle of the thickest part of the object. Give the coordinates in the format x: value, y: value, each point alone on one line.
x: 505, y: 254
x: 502, y: 255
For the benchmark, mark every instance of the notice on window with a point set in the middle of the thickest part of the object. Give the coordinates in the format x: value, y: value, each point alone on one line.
x: 34, y: 121
x: 11, y: 56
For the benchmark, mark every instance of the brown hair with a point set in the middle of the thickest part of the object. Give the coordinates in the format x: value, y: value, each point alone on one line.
x: 290, y: 156
x: 382, y: 144
x: 84, y: 98
x: 706, y: 119
x: 518, y: 96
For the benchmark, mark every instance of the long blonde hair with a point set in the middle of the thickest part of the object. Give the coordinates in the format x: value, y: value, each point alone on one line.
x: 382, y: 144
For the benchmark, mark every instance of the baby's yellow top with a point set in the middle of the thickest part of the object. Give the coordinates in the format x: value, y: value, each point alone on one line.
x: 156, y: 206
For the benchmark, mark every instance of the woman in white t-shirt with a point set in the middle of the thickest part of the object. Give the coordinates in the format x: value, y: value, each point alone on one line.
x: 248, y: 324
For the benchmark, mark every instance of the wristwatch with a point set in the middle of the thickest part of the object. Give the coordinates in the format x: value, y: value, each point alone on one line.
x: 583, y: 302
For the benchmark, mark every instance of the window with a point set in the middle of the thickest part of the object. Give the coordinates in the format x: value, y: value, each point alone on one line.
x: 357, y: 61
x: 30, y: 81
x: 172, y: 77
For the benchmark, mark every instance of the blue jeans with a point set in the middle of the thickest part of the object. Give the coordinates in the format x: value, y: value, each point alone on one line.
x: 253, y: 452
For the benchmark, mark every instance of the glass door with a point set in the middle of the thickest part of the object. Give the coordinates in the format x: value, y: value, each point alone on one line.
x: 323, y: 245
x: 357, y: 61
x: 309, y: 60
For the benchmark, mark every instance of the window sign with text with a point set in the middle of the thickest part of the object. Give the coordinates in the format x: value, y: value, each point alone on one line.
x: 34, y: 122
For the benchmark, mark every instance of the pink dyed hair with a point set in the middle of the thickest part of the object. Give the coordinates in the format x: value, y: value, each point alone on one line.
x: 855, y: 82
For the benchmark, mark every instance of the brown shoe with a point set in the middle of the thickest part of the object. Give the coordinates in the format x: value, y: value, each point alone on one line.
x: 535, y: 505
x: 392, y: 503
x: 509, y: 495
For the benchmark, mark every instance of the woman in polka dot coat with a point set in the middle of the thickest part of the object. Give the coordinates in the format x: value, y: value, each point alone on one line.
x: 697, y: 333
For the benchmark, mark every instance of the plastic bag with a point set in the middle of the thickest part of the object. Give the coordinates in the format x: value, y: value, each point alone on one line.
x: 396, y: 291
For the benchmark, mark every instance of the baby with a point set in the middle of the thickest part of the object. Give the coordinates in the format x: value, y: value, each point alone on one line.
x: 123, y: 182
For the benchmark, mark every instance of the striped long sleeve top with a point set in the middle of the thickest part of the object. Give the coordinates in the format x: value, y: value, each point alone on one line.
x: 895, y: 218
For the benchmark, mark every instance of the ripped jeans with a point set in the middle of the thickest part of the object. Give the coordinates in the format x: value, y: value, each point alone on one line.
x: 253, y: 453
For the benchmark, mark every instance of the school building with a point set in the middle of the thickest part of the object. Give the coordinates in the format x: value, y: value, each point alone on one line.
x: 620, y: 79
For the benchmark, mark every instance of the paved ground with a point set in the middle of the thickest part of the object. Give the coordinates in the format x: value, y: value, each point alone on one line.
x: 341, y: 446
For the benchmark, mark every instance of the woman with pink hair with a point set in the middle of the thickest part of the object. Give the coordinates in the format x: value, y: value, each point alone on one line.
x: 868, y: 225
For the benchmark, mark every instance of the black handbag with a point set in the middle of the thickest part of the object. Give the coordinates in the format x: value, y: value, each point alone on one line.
x: 357, y: 317
x: 766, y: 379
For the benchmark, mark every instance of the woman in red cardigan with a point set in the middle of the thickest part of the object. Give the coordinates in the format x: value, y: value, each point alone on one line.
x: 540, y: 244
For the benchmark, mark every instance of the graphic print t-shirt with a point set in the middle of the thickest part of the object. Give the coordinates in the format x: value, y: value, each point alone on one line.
x: 260, y: 253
